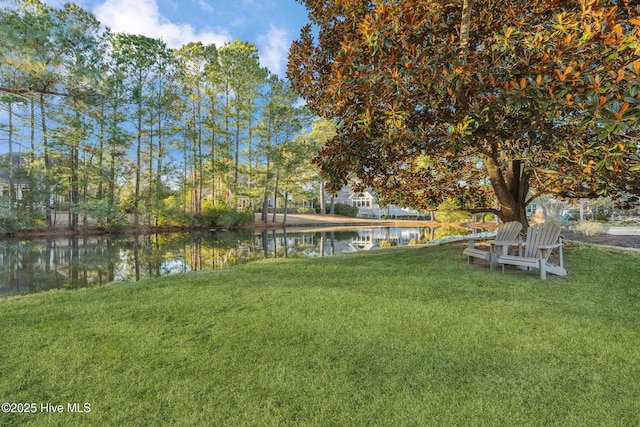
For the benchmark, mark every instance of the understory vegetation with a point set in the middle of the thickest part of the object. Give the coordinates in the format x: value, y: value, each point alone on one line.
x: 405, y: 336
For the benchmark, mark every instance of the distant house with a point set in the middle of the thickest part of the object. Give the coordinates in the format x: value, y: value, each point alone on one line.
x: 20, y: 184
x: 368, y: 204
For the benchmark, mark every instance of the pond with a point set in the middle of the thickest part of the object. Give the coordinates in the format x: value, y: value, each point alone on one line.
x: 37, y: 265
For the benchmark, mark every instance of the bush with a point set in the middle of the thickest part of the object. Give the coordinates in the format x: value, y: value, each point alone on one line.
x: 8, y: 220
x: 387, y: 244
x: 106, y: 215
x: 12, y: 220
x: 345, y: 210
x: 442, y: 232
x: 590, y: 228
x: 306, y: 210
x: 224, y: 216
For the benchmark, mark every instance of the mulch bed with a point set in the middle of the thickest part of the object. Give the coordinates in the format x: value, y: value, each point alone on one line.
x: 604, y: 239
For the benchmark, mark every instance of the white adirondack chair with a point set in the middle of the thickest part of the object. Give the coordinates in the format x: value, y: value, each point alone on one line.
x: 506, y: 236
x: 542, y: 239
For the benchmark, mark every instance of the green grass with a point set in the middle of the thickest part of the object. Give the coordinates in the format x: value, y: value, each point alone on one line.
x: 395, y: 337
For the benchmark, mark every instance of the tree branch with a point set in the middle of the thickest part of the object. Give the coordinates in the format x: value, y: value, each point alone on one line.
x: 484, y: 210
x: 26, y: 92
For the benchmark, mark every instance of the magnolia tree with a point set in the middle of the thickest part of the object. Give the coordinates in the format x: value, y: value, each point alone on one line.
x: 492, y: 102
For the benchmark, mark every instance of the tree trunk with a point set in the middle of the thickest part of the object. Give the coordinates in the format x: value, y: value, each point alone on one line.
x: 275, y: 197
x: 236, y: 156
x: 45, y: 154
x: 323, y: 210
x: 286, y: 206
x: 136, y: 200
x: 101, y: 152
x: 511, y: 188
x: 32, y: 137
x: 464, y: 28
x: 265, y: 206
x: 159, y: 167
x: 12, y: 188
x: 74, y: 194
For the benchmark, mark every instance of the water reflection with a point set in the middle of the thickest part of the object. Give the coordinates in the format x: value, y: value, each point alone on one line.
x: 76, y: 262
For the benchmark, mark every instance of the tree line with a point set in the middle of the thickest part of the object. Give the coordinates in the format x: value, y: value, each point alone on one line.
x: 107, y: 124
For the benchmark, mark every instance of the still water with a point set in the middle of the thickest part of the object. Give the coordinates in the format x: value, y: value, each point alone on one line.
x: 79, y: 262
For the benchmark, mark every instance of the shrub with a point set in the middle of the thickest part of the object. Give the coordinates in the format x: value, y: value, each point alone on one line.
x: 8, y: 221
x: 442, y: 232
x: 19, y: 218
x: 387, y: 244
x: 590, y: 228
x: 306, y: 210
x: 345, y: 210
x: 224, y: 216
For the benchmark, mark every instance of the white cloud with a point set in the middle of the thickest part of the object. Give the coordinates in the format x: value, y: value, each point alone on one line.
x: 205, y: 6
x: 143, y: 17
x: 274, y: 48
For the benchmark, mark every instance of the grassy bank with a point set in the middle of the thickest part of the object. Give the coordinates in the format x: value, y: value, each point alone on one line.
x: 397, y: 337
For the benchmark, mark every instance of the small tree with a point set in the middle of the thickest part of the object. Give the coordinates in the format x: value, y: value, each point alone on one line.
x: 450, y: 211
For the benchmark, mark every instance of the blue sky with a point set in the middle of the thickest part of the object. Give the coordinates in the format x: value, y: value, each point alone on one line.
x: 270, y: 24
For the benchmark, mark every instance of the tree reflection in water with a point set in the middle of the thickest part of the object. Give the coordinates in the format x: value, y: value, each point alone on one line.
x: 86, y: 261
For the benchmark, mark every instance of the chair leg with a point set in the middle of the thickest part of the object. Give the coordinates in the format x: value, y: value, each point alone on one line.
x: 543, y: 270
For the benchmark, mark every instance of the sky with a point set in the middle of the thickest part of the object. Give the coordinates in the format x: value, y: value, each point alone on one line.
x: 270, y: 24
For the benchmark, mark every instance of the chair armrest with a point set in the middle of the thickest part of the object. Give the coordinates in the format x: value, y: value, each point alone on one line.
x: 556, y: 245
x: 472, y: 240
x: 506, y: 243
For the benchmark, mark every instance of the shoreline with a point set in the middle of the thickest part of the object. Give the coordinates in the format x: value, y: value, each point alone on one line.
x: 305, y: 222
x: 621, y: 237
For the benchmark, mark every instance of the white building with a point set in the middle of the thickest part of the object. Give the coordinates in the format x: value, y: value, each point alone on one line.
x: 368, y: 204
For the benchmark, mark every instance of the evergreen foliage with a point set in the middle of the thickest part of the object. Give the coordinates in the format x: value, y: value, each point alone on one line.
x: 121, y: 123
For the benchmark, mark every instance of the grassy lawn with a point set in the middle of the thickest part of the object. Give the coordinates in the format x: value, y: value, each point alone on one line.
x: 395, y: 337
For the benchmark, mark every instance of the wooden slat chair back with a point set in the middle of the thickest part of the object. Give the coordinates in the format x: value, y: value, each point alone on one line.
x: 507, y: 232
x: 541, y: 240
x: 539, y: 235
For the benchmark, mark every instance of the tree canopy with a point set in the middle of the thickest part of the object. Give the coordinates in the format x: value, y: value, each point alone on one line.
x: 112, y: 123
x: 493, y: 102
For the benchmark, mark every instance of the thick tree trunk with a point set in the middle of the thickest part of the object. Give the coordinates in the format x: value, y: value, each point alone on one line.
x: 511, y: 187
